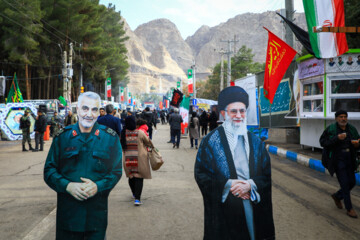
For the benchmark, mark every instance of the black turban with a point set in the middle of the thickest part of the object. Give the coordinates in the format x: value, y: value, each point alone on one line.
x: 338, y: 113
x: 231, y: 95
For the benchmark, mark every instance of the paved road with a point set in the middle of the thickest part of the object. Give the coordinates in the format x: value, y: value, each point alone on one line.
x: 172, y: 206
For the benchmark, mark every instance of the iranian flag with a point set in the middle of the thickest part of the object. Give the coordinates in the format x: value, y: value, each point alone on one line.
x: 184, y: 112
x: 326, y: 13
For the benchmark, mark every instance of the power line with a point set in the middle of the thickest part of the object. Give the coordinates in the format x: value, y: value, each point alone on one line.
x: 25, y: 27
x: 42, y: 20
x: 33, y: 20
x: 22, y: 64
x: 10, y: 78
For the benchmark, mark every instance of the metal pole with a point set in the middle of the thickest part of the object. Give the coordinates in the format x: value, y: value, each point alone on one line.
x: 289, y: 6
x: 229, y: 64
x: 64, y: 73
x: 70, y: 69
x: 194, y: 76
x: 222, y: 73
x: 81, y: 73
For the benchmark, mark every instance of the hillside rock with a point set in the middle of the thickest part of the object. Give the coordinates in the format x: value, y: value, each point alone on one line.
x: 163, y: 33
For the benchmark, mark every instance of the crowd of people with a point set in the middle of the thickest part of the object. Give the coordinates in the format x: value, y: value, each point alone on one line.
x: 232, y: 166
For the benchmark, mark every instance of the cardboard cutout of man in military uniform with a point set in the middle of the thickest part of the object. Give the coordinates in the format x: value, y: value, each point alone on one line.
x: 83, y: 166
x: 233, y: 173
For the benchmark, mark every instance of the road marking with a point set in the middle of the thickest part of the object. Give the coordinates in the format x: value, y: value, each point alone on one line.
x: 43, y: 227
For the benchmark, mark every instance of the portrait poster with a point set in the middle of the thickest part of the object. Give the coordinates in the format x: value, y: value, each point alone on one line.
x: 343, y: 63
x: 249, y: 85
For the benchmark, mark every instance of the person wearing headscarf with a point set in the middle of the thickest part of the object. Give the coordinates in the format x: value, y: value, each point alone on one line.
x: 136, y: 163
x: 194, y: 130
x: 233, y: 173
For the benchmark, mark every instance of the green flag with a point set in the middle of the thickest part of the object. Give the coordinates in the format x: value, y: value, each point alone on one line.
x: 14, y: 93
x: 63, y: 101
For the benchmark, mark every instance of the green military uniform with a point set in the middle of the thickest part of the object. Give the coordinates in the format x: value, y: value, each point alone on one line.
x: 55, y: 124
x: 96, y: 156
x: 25, y: 127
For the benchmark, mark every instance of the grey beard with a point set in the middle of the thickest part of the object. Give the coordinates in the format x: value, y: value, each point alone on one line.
x: 237, y: 128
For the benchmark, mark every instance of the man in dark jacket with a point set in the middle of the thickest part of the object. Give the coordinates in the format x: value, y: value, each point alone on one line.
x: 40, y: 128
x: 175, y: 121
x: 150, y: 119
x: 339, y: 142
x: 110, y: 121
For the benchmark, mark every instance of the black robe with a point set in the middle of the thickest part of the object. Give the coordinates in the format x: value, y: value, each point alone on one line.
x: 213, y: 168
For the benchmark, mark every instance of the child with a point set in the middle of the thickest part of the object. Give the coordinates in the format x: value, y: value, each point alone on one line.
x: 141, y: 125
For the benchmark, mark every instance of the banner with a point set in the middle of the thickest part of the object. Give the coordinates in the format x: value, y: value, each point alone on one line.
x: 14, y: 95
x: 310, y: 68
x: 326, y: 13
x: 108, y: 84
x: 176, y: 98
x: 190, y: 81
x: 121, y: 94
x: 278, y: 58
x: 184, y: 112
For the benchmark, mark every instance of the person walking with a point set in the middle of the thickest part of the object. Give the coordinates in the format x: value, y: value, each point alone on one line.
x: 339, y: 142
x: 194, y: 130
x: 150, y: 119
x: 25, y: 125
x: 204, y: 122
x: 40, y: 128
x: 175, y: 121
x: 136, y: 162
x: 82, y: 167
x: 110, y: 121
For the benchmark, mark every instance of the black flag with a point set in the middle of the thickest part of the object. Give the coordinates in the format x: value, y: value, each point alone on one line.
x: 300, y: 34
x: 176, y: 98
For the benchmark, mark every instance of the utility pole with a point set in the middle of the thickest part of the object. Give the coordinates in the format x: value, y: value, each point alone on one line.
x: 289, y: 8
x: 194, y: 78
x: 229, y: 52
x: 81, y: 73
x: 70, y: 72
x: 64, y: 74
x: 221, y: 52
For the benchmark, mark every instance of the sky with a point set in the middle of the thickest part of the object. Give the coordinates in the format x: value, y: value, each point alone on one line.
x: 190, y: 15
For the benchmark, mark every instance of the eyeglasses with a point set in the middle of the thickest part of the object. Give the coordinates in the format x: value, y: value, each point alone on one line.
x: 235, y: 111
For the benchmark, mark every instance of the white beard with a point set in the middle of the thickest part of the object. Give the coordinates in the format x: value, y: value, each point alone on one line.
x: 237, y: 128
x: 86, y: 124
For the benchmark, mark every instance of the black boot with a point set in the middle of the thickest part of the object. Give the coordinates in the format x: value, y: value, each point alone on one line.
x: 24, y: 149
x: 41, y: 147
x: 30, y: 147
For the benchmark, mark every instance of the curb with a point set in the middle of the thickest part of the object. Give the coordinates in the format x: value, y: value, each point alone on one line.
x: 314, y: 164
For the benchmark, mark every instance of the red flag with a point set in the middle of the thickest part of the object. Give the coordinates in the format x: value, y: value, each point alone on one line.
x: 278, y: 58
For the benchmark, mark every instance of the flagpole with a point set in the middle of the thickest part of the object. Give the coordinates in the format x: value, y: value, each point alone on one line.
x: 270, y: 116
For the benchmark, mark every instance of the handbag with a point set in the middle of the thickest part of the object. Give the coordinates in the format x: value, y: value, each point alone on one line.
x: 156, y: 160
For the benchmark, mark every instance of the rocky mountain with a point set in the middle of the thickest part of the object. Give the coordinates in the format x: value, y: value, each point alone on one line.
x: 157, y: 52
x: 246, y: 28
x: 155, y: 68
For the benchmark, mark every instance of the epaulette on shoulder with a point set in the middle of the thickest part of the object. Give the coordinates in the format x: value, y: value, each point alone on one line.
x: 110, y: 131
x: 60, y: 131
